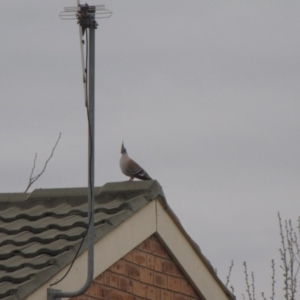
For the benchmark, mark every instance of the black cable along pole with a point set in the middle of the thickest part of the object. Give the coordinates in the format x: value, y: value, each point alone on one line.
x: 86, y: 18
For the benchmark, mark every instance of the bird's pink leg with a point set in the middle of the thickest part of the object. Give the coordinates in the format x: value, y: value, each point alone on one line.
x: 131, y: 179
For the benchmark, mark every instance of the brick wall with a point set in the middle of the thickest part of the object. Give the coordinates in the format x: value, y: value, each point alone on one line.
x: 147, y: 272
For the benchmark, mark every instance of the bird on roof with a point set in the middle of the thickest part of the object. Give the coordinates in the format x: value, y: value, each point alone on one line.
x: 130, y: 168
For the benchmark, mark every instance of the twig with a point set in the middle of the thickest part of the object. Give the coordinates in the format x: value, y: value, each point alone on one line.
x: 253, y: 285
x: 229, y: 273
x: 296, y: 244
x: 247, y: 282
x: 33, y: 179
x: 273, y: 280
x: 283, y: 256
x: 289, y: 237
x: 33, y: 166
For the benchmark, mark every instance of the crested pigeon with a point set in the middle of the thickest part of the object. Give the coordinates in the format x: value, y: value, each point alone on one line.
x: 130, y: 168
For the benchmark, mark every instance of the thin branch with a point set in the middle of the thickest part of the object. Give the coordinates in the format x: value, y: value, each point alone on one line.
x: 35, y: 157
x: 283, y: 256
x: 297, y: 246
x: 289, y: 237
x: 247, y: 282
x: 232, y: 289
x: 33, y: 179
x: 229, y: 273
x: 253, y: 285
x: 273, y: 280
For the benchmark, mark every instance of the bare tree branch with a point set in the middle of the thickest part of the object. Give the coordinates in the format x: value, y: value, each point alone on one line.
x: 284, y: 259
x: 263, y: 296
x: 253, y: 285
x: 232, y: 289
x: 33, y: 179
x: 273, y: 280
x: 229, y: 273
x: 290, y: 264
x: 247, y: 282
x: 289, y: 255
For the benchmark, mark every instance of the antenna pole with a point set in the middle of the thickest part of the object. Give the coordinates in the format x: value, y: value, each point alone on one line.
x: 91, y: 112
x: 90, y: 24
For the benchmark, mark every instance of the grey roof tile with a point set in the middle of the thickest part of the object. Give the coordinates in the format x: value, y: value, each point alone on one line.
x: 15, y: 263
x: 40, y: 232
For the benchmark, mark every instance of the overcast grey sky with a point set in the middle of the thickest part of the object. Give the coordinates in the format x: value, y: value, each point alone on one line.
x: 205, y: 95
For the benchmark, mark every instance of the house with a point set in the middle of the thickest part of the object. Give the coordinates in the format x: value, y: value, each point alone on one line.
x: 141, y: 249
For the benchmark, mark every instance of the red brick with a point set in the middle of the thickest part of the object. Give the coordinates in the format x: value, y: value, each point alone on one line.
x: 82, y: 297
x: 129, y: 297
x: 169, y: 267
x: 93, y: 290
x: 139, y: 289
x: 119, y: 295
x: 160, y: 280
x: 128, y: 256
x: 147, y: 272
x: 174, y: 284
x: 158, y: 249
x: 118, y: 267
x: 105, y: 293
x: 132, y: 271
x: 153, y: 237
x: 99, y: 291
x: 139, y: 257
x: 100, y: 279
x: 154, y: 262
x: 166, y: 295
x: 146, y: 275
x: 111, y: 279
x: 146, y: 246
x: 180, y: 297
x: 153, y: 293
x: 133, y: 297
x: 187, y: 289
x: 125, y: 284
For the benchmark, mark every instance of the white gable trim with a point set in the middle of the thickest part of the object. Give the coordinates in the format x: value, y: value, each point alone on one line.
x: 152, y: 218
x: 186, y: 256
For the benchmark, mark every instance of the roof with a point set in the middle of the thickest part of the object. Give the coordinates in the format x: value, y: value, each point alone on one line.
x: 40, y: 232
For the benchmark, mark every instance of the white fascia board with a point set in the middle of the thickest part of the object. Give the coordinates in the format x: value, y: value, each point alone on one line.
x: 183, y: 252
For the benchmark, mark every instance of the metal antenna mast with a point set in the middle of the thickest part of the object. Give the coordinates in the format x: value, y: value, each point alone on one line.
x: 86, y: 16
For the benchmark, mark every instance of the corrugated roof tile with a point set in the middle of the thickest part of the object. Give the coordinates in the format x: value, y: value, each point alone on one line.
x: 40, y: 232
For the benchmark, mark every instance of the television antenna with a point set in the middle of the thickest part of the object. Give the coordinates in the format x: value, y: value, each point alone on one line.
x: 86, y: 16
x: 73, y: 13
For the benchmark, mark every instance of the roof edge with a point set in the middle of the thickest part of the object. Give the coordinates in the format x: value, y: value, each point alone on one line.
x: 130, y: 189
x: 197, y: 249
